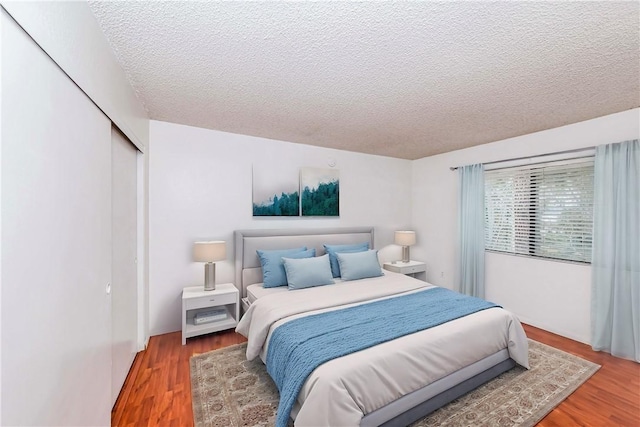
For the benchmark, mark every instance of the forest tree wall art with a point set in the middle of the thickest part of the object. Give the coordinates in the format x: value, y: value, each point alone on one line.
x: 319, y: 192
x: 288, y: 191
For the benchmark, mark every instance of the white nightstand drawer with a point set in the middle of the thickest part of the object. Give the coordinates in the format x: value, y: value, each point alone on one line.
x: 413, y: 269
x: 210, y: 301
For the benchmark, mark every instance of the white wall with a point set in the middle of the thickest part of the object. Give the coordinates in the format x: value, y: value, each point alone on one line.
x: 200, y: 188
x: 56, y: 240
x: 69, y: 351
x: 552, y: 295
x: 69, y: 33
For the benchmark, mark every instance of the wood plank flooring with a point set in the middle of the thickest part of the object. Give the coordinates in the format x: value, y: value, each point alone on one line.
x: 157, y: 391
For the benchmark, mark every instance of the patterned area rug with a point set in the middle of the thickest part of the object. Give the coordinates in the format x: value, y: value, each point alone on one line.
x: 227, y: 390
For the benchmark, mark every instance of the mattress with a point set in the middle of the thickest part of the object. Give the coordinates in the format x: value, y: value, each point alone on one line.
x: 256, y: 291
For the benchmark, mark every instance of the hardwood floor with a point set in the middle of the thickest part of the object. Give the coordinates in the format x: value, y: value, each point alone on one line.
x: 157, y: 391
x: 611, y: 397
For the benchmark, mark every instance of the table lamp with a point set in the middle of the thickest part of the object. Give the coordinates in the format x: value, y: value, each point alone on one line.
x: 405, y: 239
x: 209, y: 252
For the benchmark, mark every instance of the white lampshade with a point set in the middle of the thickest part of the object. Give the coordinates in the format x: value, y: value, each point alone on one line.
x: 405, y: 238
x: 209, y: 251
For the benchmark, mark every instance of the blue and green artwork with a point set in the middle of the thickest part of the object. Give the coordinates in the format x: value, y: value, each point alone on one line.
x: 276, y: 192
x: 320, y: 192
x: 287, y: 191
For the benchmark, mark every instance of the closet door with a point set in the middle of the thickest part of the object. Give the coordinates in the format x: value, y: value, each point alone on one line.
x: 56, y: 243
x: 124, y: 289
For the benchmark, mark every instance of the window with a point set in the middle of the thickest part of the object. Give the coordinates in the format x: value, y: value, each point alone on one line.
x: 543, y: 210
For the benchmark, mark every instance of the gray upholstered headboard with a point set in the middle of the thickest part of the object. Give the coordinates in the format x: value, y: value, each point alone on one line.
x: 247, y: 264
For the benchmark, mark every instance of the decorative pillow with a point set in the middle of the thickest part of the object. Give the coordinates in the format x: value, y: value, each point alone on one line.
x: 273, y: 274
x: 359, y: 265
x: 308, y: 272
x: 332, y: 250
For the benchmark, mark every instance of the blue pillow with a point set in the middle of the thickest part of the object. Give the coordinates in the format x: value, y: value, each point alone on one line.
x: 272, y: 269
x: 332, y: 250
x: 359, y: 265
x: 308, y: 272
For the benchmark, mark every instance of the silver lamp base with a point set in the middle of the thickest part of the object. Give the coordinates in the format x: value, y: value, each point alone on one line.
x: 209, y: 276
x: 405, y: 254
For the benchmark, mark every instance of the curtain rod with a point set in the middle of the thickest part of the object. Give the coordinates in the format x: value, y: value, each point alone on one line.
x: 576, y: 150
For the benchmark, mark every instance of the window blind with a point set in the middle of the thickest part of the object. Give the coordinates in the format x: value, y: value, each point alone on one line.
x: 545, y: 210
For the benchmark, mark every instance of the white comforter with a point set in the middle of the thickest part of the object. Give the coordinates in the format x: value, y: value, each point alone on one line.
x: 341, y: 391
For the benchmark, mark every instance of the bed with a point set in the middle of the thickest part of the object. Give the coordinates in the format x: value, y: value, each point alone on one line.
x: 392, y: 383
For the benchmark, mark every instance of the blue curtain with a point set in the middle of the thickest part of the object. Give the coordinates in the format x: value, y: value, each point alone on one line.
x: 471, y: 230
x: 615, y: 287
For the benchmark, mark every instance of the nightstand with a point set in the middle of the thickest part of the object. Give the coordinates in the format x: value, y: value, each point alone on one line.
x: 221, y: 306
x: 412, y: 268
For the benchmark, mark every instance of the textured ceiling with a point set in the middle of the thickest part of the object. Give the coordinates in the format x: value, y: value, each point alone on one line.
x: 391, y: 78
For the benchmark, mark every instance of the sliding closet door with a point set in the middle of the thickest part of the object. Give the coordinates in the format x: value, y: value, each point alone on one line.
x: 56, y: 243
x: 124, y: 289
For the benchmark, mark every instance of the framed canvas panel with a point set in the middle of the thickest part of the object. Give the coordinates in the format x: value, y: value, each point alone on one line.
x: 320, y: 192
x: 276, y: 191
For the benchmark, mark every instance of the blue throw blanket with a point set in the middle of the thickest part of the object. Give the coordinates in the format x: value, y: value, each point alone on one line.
x: 301, y: 345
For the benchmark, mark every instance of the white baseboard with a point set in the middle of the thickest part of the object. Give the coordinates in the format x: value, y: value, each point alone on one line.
x: 555, y: 330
